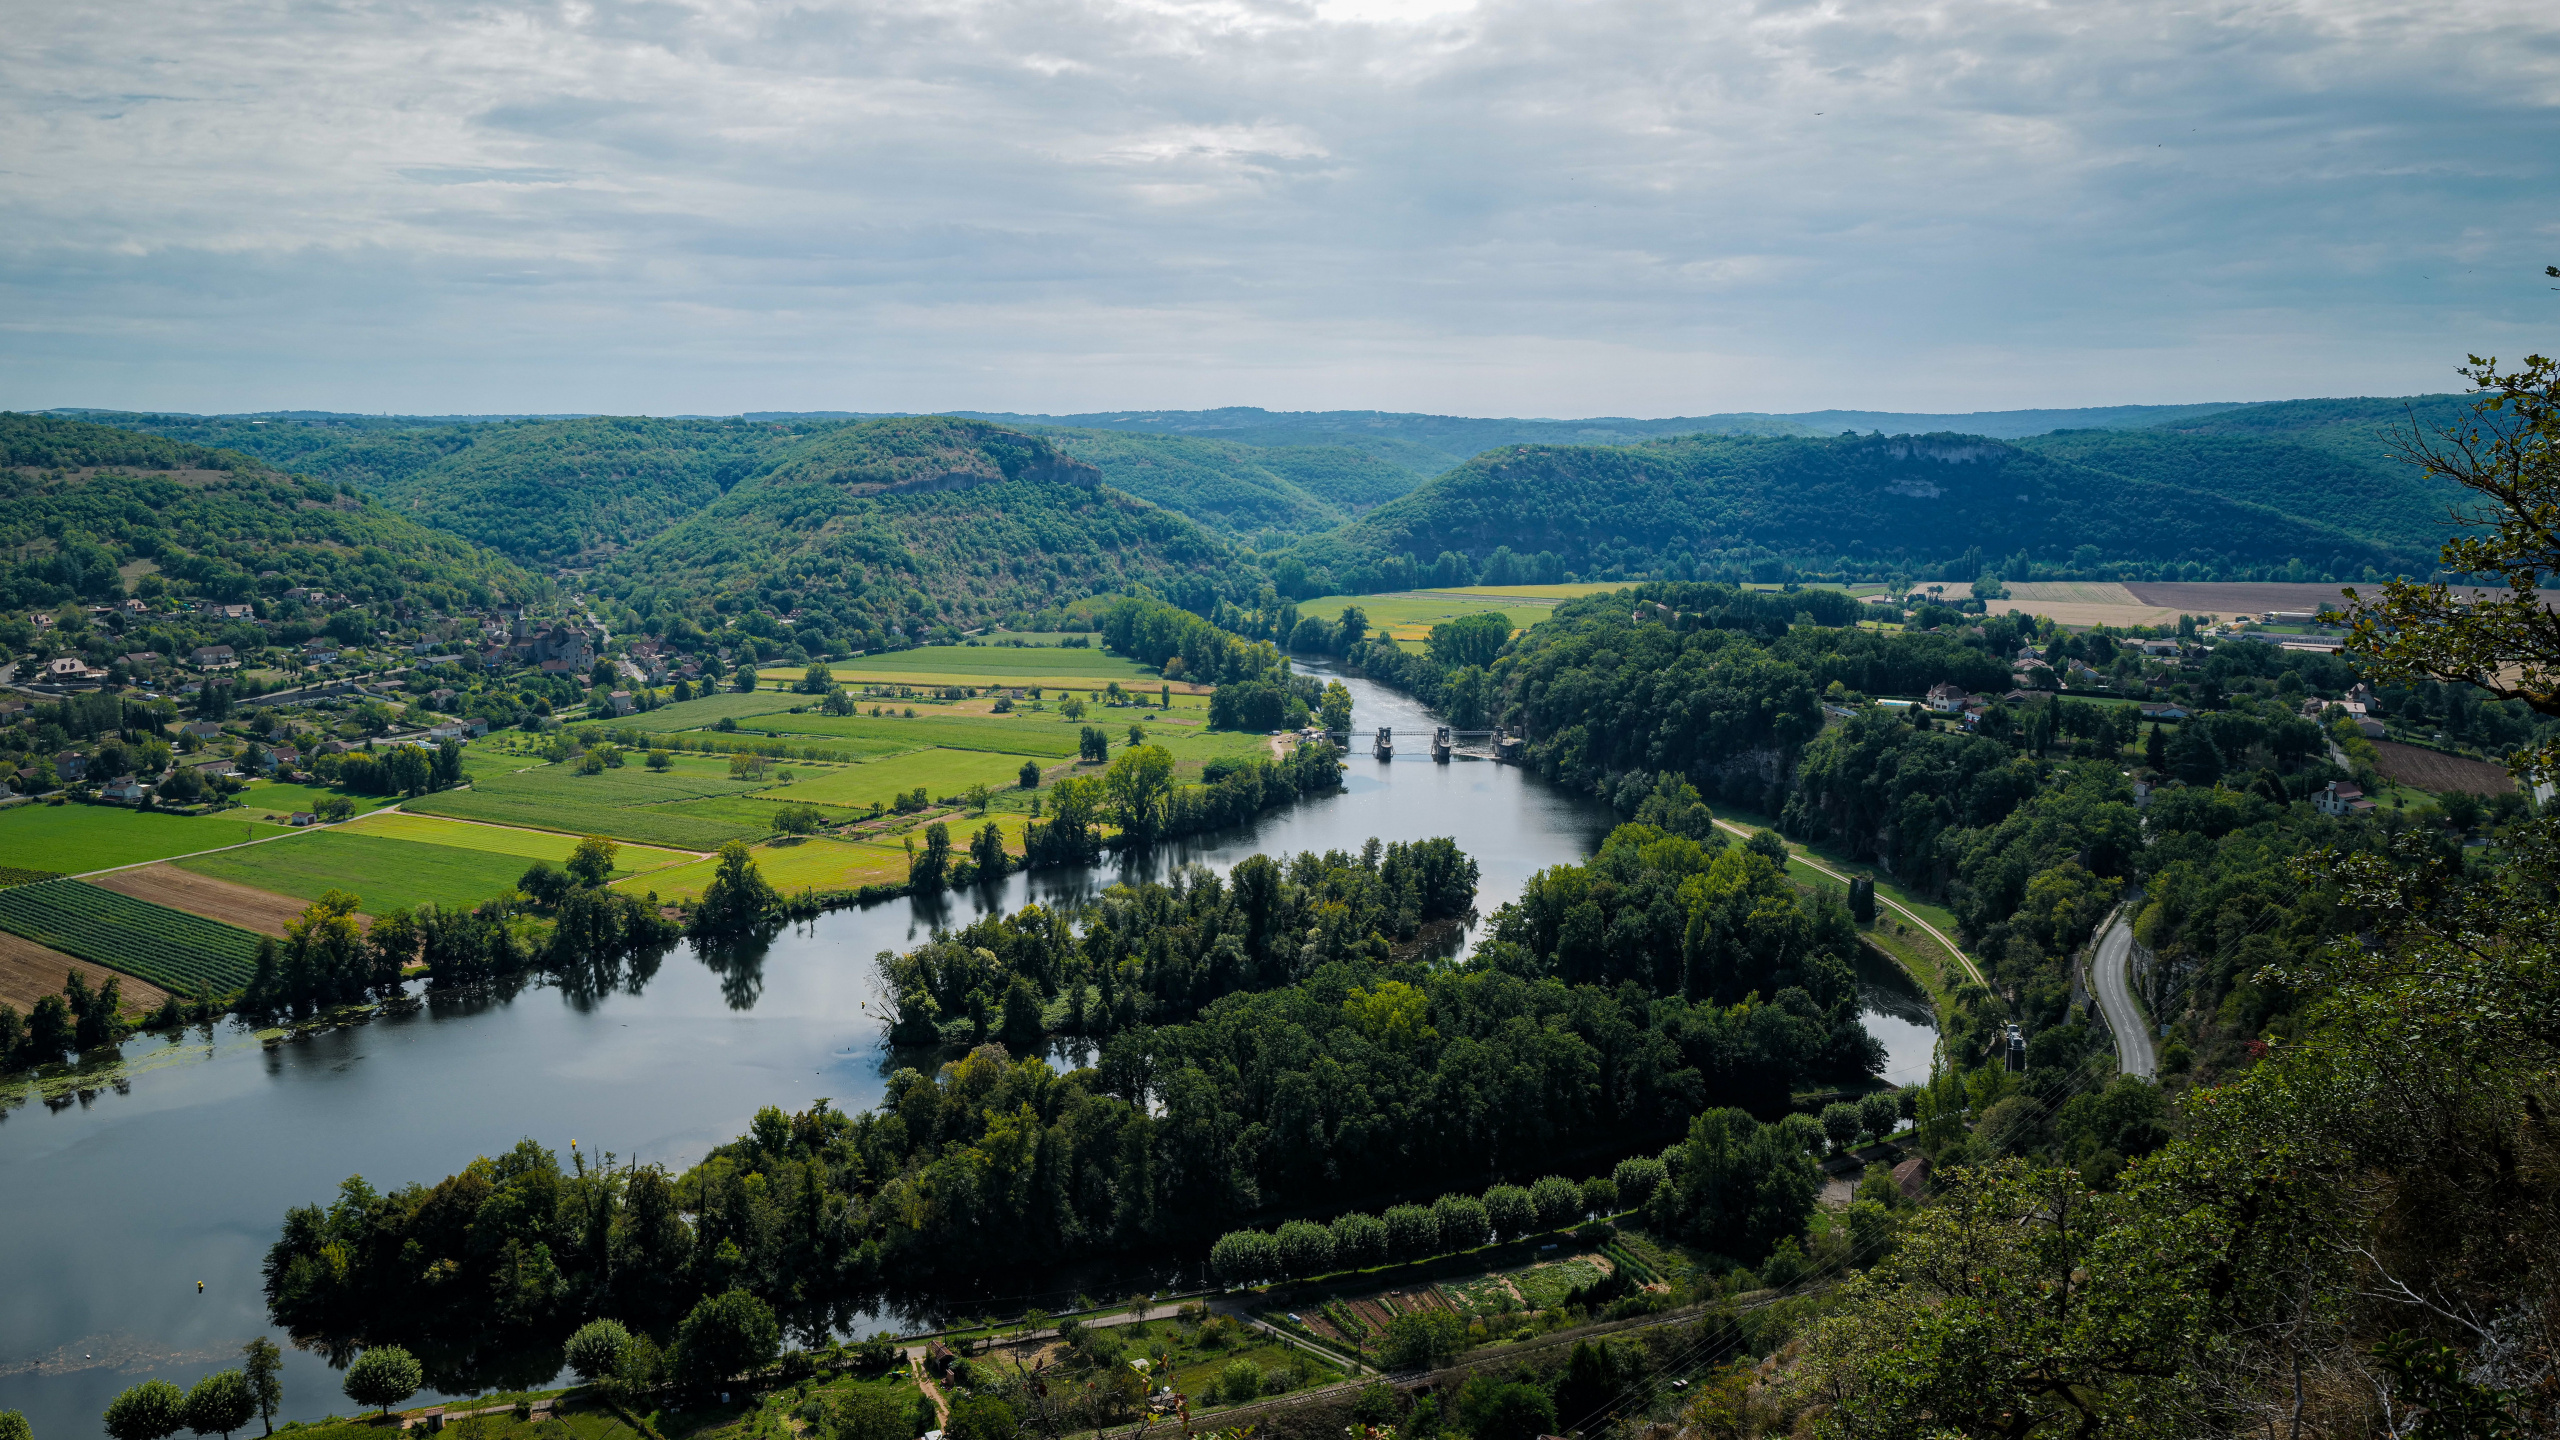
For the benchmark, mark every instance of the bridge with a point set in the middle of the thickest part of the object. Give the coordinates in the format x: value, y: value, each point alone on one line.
x: 1443, y: 741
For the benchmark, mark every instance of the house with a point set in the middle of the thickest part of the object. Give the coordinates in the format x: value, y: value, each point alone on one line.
x: 2141, y: 792
x: 132, y: 607
x: 285, y: 756
x: 70, y: 765
x: 201, y: 729
x: 303, y: 817
x: 140, y: 658
x: 2079, y: 675
x: 212, y: 657
x: 125, y: 788
x: 2029, y: 652
x: 440, y: 698
x: 2370, y: 728
x: 2164, y: 712
x: 71, y: 668
x: 2157, y: 647
x: 1944, y: 696
x: 621, y: 700
x: 475, y: 727
x: 218, y: 765
x: 2339, y: 801
x: 231, y: 612
x: 2361, y: 693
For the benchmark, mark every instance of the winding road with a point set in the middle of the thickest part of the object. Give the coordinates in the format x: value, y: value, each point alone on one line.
x: 2110, y: 975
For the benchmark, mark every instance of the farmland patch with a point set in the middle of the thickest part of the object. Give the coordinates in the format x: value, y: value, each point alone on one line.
x: 170, y: 948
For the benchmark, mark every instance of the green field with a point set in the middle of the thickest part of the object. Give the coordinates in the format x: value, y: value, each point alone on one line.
x: 940, y: 772
x: 1409, y: 616
x: 632, y: 803
x: 269, y: 798
x: 984, y: 664
x: 170, y: 948
x: 1019, y: 735
x: 74, y: 839
x: 817, y: 863
x: 711, y: 709
x: 495, y: 839
x: 382, y: 873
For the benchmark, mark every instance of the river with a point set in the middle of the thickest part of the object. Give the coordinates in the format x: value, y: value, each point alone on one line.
x: 118, y: 1203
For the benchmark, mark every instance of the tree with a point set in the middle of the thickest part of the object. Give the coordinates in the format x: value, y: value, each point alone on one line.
x: 1469, y: 640
x: 1306, y: 1248
x: 220, y: 1403
x: 1137, y: 783
x: 148, y: 1411
x: 725, y: 1335
x: 263, y: 1364
x: 383, y: 1377
x: 931, y: 867
x: 1243, y: 1256
x: 1334, y: 710
x: 799, y: 819
x: 1505, y: 1410
x: 1511, y: 1210
x: 1841, y: 1122
x: 591, y: 863
x: 1093, y: 744
x: 867, y: 1412
x: 737, y: 899
x: 595, y: 1350
x: 746, y: 676
x: 986, y: 852
x: 1422, y: 1339
x: 818, y: 680
x: 1557, y: 1200
x: 1464, y: 1222
x: 1862, y: 899
x: 980, y: 1417
x: 14, y: 1426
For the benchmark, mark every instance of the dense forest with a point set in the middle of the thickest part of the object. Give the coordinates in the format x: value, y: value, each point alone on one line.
x: 82, y: 505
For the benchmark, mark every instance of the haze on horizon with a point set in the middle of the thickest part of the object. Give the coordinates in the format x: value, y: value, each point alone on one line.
x: 1619, y: 208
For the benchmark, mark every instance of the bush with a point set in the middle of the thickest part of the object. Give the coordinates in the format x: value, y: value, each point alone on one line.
x: 725, y: 1335
x: 1239, y: 1382
x: 383, y: 1377
x: 867, y: 1412
x: 1505, y: 1410
x: 980, y: 1417
x: 595, y: 1351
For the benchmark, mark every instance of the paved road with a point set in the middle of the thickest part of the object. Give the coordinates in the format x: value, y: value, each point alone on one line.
x: 2110, y: 974
x: 1888, y: 902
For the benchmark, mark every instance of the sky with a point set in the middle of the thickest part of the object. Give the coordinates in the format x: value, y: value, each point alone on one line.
x: 1621, y: 207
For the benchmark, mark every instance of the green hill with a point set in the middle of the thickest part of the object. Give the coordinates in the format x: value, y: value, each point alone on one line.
x: 1684, y: 504
x: 2359, y: 488
x: 1242, y: 489
x: 80, y: 503
x: 916, y: 523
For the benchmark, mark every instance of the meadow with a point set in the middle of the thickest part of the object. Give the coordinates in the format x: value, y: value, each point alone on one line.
x: 941, y: 772
x: 73, y: 839
x: 382, y: 873
x: 1409, y: 615
x: 1017, y: 735
x: 276, y: 801
x: 630, y: 803
x: 497, y: 839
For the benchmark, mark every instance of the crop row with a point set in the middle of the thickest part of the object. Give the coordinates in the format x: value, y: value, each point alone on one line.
x: 170, y: 948
x: 11, y: 875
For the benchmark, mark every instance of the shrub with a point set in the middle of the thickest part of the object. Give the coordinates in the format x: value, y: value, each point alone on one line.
x: 980, y: 1417
x: 595, y: 1351
x: 1505, y: 1410
x: 1239, y: 1382
x: 867, y: 1412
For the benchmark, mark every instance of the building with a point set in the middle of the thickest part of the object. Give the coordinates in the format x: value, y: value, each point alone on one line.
x: 2157, y: 647
x: 1947, y: 697
x: 125, y: 788
x: 212, y: 657
x: 70, y: 765
x: 303, y: 817
x: 140, y: 659
x: 71, y: 669
x: 201, y: 729
x: 621, y: 700
x: 2339, y: 801
x: 2164, y: 712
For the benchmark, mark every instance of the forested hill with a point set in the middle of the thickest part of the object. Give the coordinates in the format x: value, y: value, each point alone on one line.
x: 917, y: 523
x: 1872, y: 499
x: 1241, y: 489
x: 80, y: 502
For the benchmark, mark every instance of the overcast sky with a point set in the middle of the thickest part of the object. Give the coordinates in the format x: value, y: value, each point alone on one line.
x: 1627, y: 208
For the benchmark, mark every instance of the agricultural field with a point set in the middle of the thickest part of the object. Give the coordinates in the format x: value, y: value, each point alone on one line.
x: 632, y: 803
x: 2079, y: 602
x: 169, y: 948
x: 29, y: 972
x: 983, y: 665
x: 277, y: 802
x: 1409, y: 615
x: 232, y: 903
x: 2416, y: 767
x: 712, y: 709
x: 1014, y: 735
x: 940, y: 772
x: 75, y: 839
x: 823, y: 863
x: 528, y: 845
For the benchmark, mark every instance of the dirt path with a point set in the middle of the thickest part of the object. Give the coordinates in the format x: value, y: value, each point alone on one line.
x: 29, y: 972
x: 1896, y: 906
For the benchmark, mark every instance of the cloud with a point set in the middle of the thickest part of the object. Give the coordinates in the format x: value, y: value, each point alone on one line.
x: 1615, y: 206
